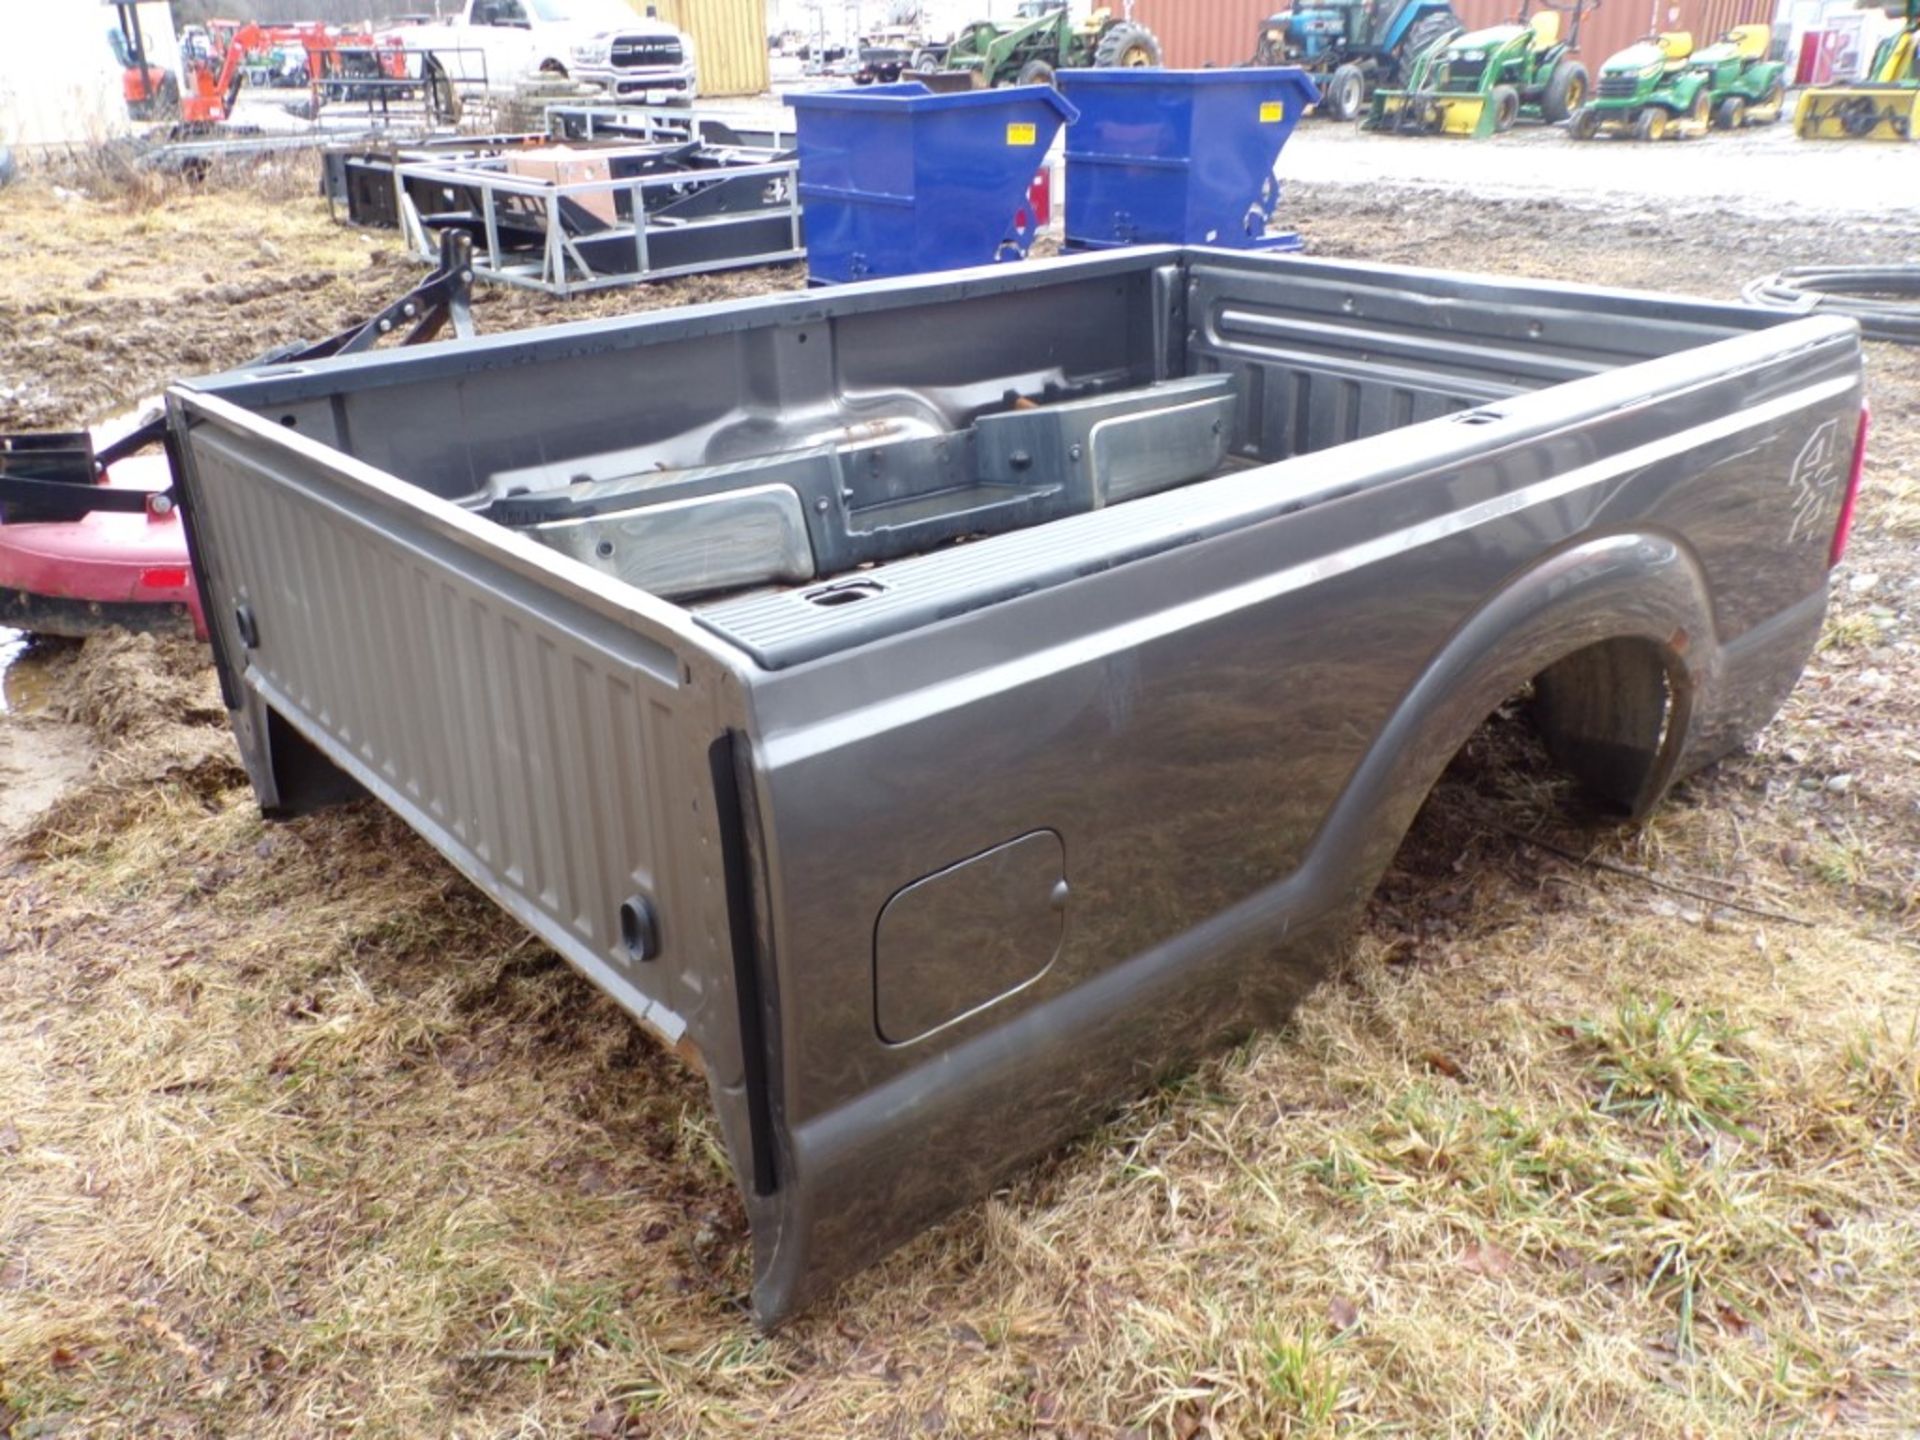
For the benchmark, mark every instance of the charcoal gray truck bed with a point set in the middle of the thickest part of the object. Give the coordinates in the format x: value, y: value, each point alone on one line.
x: 943, y: 705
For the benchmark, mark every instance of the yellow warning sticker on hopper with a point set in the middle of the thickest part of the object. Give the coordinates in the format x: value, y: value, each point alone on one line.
x: 1021, y: 135
x: 1272, y: 112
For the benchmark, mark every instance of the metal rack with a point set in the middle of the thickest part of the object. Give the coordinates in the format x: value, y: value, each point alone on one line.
x: 696, y: 211
x: 659, y: 124
x: 394, y: 82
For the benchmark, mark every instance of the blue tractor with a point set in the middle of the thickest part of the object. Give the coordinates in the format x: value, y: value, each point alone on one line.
x: 1352, y: 47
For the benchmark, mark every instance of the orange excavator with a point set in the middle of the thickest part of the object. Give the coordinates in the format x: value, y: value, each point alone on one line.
x: 213, y: 64
x: 214, y: 73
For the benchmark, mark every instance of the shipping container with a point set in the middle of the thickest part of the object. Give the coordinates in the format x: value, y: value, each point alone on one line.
x: 1194, y: 33
x: 729, y: 40
x: 1613, y: 26
x: 1225, y: 32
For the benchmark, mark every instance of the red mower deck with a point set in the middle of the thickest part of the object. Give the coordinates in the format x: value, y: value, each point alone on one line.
x: 106, y: 569
x: 89, y: 536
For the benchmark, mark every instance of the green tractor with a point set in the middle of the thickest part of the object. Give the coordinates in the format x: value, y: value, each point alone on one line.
x: 1479, y: 83
x: 1662, y: 87
x: 1044, y: 38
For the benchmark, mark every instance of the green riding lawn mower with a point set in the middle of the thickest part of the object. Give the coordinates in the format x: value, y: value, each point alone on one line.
x: 1663, y: 88
x: 1043, y: 38
x: 1479, y: 83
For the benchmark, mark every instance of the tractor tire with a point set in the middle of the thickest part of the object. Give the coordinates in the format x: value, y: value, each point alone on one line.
x: 1426, y: 34
x: 1037, y: 72
x: 1775, y: 103
x: 923, y: 61
x: 1346, y: 93
x: 1506, y: 107
x: 1651, y: 124
x: 1127, y: 46
x: 1731, y: 114
x: 1699, y: 115
x: 1567, y: 90
x: 1585, y: 123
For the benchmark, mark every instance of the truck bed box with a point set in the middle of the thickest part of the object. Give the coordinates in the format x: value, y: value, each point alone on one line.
x: 942, y: 705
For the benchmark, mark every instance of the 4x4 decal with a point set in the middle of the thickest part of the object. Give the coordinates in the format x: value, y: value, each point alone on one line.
x: 1815, y: 473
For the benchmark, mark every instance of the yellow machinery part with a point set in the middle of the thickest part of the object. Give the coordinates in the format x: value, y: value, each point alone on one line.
x: 1897, y: 68
x: 1675, y: 45
x: 1764, y: 113
x: 1460, y: 117
x: 1856, y: 112
x: 1395, y: 109
x: 1751, y: 42
x: 1404, y: 112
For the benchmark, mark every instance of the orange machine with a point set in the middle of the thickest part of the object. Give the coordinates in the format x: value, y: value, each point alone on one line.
x: 214, y: 62
x: 214, y: 75
x: 337, y: 56
x: 150, y: 90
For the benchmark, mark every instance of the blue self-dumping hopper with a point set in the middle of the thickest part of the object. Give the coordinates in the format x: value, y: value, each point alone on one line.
x: 1179, y: 157
x: 897, y: 180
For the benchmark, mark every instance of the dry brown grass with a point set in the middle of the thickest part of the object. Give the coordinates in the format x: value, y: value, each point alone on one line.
x: 124, y: 179
x: 299, y: 1137
x: 121, y: 282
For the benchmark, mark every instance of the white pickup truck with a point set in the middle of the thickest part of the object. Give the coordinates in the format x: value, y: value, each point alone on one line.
x: 498, y: 45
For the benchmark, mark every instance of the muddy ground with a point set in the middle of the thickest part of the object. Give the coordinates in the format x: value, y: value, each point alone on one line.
x: 1759, y: 172
x: 104, y: 300
x: 1603, y: 1133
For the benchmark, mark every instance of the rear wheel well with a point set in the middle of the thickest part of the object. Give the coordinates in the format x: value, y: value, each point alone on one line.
x: 1587, y: 741
x: 1606, y: 714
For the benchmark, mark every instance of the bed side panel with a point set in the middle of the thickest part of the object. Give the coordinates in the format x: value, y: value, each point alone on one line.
x: 554, y: 751
x: 1228, y: 737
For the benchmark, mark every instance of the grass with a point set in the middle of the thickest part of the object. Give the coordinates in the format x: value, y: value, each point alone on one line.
x: 300, y: 1137
x: 1899, y: 502
x: 1655, y: 1062
x: 1303, y: 1376
x: 1849, y: 632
